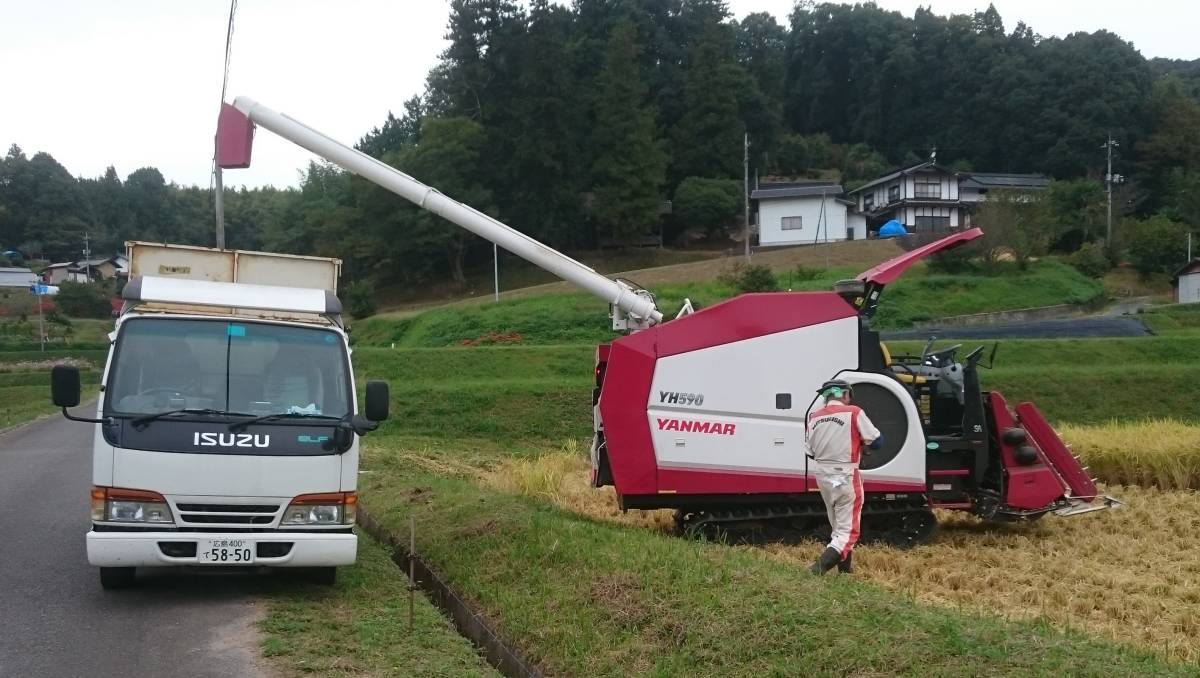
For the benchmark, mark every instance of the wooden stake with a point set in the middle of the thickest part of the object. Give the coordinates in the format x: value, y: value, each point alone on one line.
x: 412, y: 578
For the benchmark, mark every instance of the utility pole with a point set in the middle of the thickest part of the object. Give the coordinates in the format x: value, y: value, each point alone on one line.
x: 1109, y: 180
x: 87, y: 257
x: 219, y: 205
x: 746, y: 189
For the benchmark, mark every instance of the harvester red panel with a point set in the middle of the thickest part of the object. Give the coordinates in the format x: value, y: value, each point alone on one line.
x: 1030, y: 486
x: 630, y: 372
x: 235, y: 138
x: 1056, y: 452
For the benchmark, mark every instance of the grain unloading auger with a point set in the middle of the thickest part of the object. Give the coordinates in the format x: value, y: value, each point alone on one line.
x: 705, y: 414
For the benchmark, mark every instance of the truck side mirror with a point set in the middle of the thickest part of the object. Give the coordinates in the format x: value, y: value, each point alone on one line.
x: 64, y: 385
x: 378, y: 399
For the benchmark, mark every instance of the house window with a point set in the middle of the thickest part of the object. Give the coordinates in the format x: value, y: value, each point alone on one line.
x: 933, y: 223
x: 869, y: 201
x: 893, y: 192
x: 791, y: 223
x: 929, y: 187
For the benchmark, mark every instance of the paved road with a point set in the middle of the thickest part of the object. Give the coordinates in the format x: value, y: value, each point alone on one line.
x: 1085, y: 327
x: 55, y: 620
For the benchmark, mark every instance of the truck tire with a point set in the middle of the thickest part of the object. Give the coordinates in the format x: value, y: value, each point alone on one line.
x: 325, y: 576
x: 114, y: 578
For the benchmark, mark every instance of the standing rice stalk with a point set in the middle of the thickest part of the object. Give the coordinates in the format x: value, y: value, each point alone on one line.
x: 1161, y: 453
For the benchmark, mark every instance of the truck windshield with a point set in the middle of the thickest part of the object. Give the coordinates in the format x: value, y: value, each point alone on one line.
x: 164, y: 364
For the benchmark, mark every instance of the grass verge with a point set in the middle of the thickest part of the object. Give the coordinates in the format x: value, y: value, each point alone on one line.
x: 360, y: 627
x: 574, y: 317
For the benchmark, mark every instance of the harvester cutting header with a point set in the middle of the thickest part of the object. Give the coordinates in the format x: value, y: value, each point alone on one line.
x: 705, y: 413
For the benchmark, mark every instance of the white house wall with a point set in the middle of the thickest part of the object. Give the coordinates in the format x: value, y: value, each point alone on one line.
x: 772, y: 211
x: 1189, y: 288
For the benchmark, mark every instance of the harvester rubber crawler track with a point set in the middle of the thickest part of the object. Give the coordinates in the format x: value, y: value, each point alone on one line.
x: 897, y: 524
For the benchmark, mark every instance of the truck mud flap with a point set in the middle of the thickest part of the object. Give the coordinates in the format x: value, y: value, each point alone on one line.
x: 1055, y: 451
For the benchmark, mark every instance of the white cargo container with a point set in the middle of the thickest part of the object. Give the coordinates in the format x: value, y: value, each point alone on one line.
x: 227, y: 424
x: 235, y: 266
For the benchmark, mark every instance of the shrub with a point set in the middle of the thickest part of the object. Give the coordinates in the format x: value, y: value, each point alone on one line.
x: 1157, y: 245
x: 750, y: 278
x: 1091, y: 260
x: 710, y: 204
x: 360, y: 299
x: 806, y: 273
x: 83, y: 300
x: 953, y: 261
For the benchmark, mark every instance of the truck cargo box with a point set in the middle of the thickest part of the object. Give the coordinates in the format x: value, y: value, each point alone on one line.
x: 240, y: 266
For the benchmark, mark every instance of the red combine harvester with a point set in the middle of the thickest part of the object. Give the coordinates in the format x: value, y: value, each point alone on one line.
x: 705, y: 413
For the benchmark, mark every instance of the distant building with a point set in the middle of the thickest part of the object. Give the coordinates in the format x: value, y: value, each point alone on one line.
x: 86, y: 270
x: 17, y: 277
x: 930, y: 198
x: 57, y: 273
x: 798, y: 213
x: 1185, y: 284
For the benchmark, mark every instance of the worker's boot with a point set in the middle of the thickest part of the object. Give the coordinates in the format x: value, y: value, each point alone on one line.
x: 829, y: 558
x: 844, y: 565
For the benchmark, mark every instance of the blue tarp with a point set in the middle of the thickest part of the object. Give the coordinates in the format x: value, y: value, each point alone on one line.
x: 892, y: 229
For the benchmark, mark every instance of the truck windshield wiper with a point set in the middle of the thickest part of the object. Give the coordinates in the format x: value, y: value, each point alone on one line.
x: 241, y: 425
x: 141, y: 422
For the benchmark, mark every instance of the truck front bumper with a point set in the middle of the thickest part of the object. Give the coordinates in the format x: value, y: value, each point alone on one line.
x: 272, y: 549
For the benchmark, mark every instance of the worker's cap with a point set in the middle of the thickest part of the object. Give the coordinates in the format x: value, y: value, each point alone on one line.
x: 835, y: 387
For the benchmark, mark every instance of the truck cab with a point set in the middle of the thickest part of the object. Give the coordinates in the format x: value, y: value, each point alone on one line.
x: 227, y: 426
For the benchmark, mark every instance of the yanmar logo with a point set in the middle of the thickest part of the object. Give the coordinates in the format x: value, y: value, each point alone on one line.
x: 230, y: 440
x: 688, y: 426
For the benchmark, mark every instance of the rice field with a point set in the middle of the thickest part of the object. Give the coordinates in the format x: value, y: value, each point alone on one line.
x: 1131, y: 575
x: 1160, y: 453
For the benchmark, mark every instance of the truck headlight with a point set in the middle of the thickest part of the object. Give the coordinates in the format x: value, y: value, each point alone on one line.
x: 326, y: 508
x: 118, y: 504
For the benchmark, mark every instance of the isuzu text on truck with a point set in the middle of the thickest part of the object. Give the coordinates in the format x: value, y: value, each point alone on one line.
x: 227, y: 424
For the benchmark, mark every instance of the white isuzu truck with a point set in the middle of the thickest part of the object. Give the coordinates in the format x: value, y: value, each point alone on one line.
x: 227, y: 427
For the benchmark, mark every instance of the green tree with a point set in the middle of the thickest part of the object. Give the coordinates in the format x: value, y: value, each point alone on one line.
x: 448, y: 157
x: 1010, y: 223
x: 707, y: 141
x: 1073, y: 212
x: 83, y: 300
x: 395, y: 133
x: 709, y: 204
x: 1157, y: 245
x: 629, y: 164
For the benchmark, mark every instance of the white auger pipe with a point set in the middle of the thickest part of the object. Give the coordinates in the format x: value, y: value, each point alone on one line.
x: 613, y: 291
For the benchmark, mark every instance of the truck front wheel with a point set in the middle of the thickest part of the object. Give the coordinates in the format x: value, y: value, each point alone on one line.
x: 112, y: 578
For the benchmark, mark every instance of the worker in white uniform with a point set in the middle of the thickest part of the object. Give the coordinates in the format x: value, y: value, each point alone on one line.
x: 836, y: 434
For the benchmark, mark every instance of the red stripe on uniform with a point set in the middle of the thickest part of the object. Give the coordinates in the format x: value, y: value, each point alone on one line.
x: 857, y: 517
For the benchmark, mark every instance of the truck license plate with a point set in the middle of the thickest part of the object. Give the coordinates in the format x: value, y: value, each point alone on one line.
x: 225, y: 551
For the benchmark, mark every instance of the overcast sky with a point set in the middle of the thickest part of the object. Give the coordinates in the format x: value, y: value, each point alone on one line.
x: 138, y: 82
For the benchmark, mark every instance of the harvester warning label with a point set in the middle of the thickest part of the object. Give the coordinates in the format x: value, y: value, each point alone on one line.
x: 689, y: 426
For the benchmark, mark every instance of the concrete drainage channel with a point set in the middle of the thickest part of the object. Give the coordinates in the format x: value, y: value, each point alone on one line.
x: 471, y: 625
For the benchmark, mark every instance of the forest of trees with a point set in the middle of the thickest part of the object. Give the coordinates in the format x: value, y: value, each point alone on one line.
x: 575, y: 124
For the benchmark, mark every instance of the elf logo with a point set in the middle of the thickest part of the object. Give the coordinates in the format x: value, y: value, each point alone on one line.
x: 687, y: 426
x: 230, y: 440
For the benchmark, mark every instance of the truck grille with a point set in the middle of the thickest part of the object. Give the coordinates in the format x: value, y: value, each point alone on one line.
x: 227, y: 514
